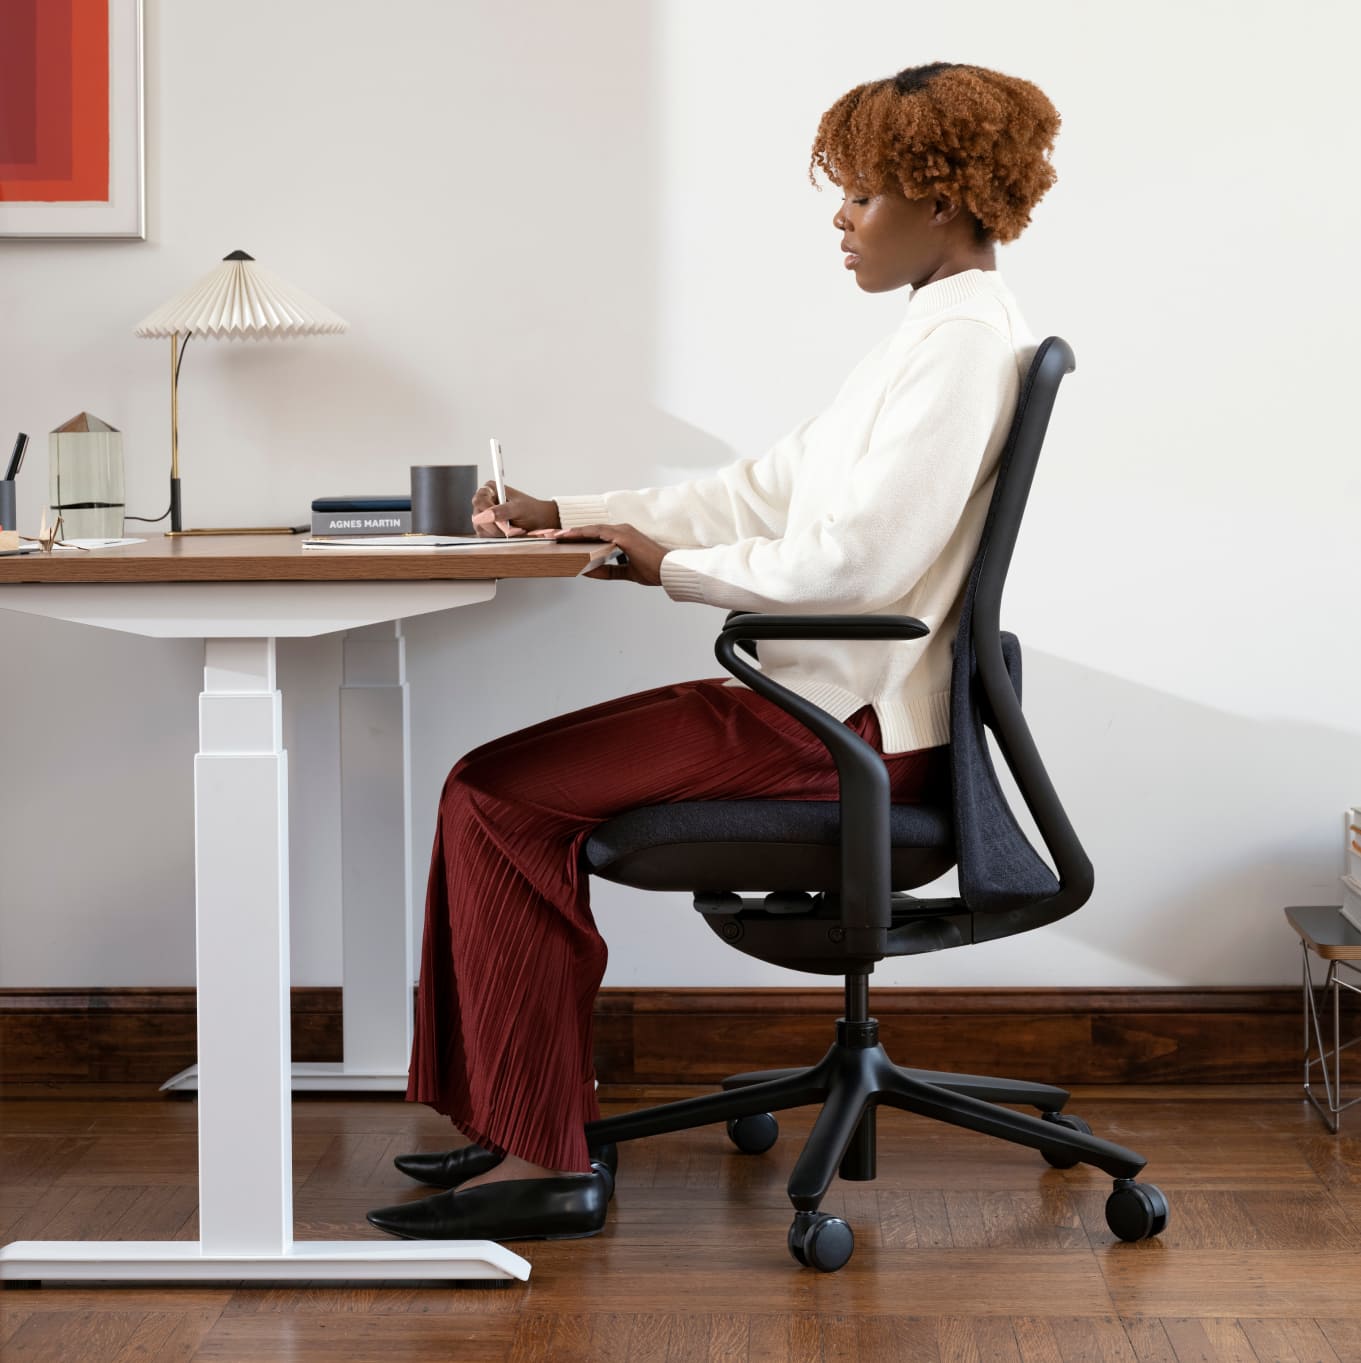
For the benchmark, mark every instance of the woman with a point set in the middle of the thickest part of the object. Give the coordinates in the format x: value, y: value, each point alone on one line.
x: 874, y: 506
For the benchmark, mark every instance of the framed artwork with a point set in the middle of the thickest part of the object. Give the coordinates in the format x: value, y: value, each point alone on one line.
x: 71, y: 118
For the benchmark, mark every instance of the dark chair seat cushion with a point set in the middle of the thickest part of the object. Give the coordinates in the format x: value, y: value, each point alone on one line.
x: 766, y: 845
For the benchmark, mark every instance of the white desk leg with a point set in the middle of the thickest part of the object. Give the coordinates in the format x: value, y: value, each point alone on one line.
x: 245, y: 1140
x: 375, y: 866
x: 241, y: 878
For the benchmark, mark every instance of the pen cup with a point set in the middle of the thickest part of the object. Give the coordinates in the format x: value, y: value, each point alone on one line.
x: 442, y: 498
x: 9, y: 516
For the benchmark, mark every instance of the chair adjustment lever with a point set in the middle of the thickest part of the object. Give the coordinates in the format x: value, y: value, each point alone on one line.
x: 787, y: 903
x: 790, y: 902
x: 713, y: 902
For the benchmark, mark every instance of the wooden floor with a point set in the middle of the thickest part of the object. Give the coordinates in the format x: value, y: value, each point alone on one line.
x: 967, y: 1250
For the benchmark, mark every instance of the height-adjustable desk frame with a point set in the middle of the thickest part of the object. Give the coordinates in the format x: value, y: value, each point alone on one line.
x: 240, y: 596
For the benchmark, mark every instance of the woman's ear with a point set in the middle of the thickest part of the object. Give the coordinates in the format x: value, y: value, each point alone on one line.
x: 946, y: 211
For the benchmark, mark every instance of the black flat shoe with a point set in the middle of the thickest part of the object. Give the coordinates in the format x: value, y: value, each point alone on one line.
x: 450, y: 1168
x: 565, y: 1207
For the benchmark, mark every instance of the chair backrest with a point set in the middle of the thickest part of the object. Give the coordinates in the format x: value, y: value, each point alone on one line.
x: 999, y: 871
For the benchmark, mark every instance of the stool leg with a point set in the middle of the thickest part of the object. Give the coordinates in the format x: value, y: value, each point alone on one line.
x: 1336, y: 991
x: 1304, y: 1004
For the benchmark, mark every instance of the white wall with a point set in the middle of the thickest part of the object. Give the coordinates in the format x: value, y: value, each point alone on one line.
x: 588, y: 229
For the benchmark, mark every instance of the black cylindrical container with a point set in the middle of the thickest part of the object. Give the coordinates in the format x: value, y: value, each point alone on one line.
x: 9, y: 516
x: 442, y: 498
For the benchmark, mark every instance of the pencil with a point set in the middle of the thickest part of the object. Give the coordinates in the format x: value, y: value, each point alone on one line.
x: 17, y: 458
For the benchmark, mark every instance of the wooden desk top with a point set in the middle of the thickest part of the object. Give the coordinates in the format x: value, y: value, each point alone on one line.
x: 281, y: 558
x: 1326, y: 932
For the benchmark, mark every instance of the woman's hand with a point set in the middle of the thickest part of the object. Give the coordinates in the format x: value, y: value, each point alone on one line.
x: 517, y: 515
x: 645, y: 555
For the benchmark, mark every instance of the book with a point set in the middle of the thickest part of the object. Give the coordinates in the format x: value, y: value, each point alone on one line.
x: 361, y: 522
x: 1351, y: 901
x: 374, y: 502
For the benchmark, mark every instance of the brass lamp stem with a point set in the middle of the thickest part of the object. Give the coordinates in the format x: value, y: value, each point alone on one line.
x: 176, y: 359
x: 174, y: 404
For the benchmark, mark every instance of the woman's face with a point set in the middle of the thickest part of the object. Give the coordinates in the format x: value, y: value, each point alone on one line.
x: 891, y: 240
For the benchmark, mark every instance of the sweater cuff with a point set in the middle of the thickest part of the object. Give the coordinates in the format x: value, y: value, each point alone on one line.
x: 681, y: 583
x: 573, y: 511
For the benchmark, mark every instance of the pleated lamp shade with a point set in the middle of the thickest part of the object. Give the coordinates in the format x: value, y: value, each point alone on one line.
x: 240, y: 301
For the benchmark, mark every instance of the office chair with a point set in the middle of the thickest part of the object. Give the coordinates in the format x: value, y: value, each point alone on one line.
x: 838, y: 875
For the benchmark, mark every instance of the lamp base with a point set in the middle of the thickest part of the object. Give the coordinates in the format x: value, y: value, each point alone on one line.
x: 243, y: 530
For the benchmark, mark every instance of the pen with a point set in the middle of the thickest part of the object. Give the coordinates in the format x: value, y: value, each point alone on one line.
x: 497, y: 472
x: 17, y: 458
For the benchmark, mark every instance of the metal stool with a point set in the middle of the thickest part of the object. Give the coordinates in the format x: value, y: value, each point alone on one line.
x: 1325, y: 932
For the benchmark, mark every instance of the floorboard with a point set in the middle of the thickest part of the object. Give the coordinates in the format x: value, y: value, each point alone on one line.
x: 967, y: 1250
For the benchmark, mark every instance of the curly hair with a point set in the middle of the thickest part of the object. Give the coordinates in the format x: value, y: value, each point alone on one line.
x: 976, y: 136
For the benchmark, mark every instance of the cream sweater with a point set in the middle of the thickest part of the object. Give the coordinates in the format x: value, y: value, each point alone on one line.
x: 873, y: 507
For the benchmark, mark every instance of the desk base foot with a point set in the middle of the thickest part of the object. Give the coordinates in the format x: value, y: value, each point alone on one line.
x: 30, y: 1262
x: 314, y: 1078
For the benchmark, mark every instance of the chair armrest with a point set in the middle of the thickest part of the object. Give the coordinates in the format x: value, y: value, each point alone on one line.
x: 863, y: 787
x: 757, y: 626
x: 739, y: 628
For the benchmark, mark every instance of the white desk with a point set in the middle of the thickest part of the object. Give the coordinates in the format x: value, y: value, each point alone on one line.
x: 240, y: 595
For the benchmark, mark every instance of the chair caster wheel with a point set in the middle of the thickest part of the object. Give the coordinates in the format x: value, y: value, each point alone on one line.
x: 1064, y: 1159
x: 1136, y: 1211
x: 820, y: 1241
x: 753, y: 1135
x: 602, y: 1171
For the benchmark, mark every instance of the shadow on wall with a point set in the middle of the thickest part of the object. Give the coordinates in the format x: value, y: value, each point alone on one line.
x: 1202, y: 825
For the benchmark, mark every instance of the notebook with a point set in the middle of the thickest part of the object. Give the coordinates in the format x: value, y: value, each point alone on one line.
x: 404, y: 543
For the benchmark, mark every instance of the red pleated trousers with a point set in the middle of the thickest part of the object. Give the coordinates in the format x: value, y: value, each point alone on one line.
x: 511, y: 959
